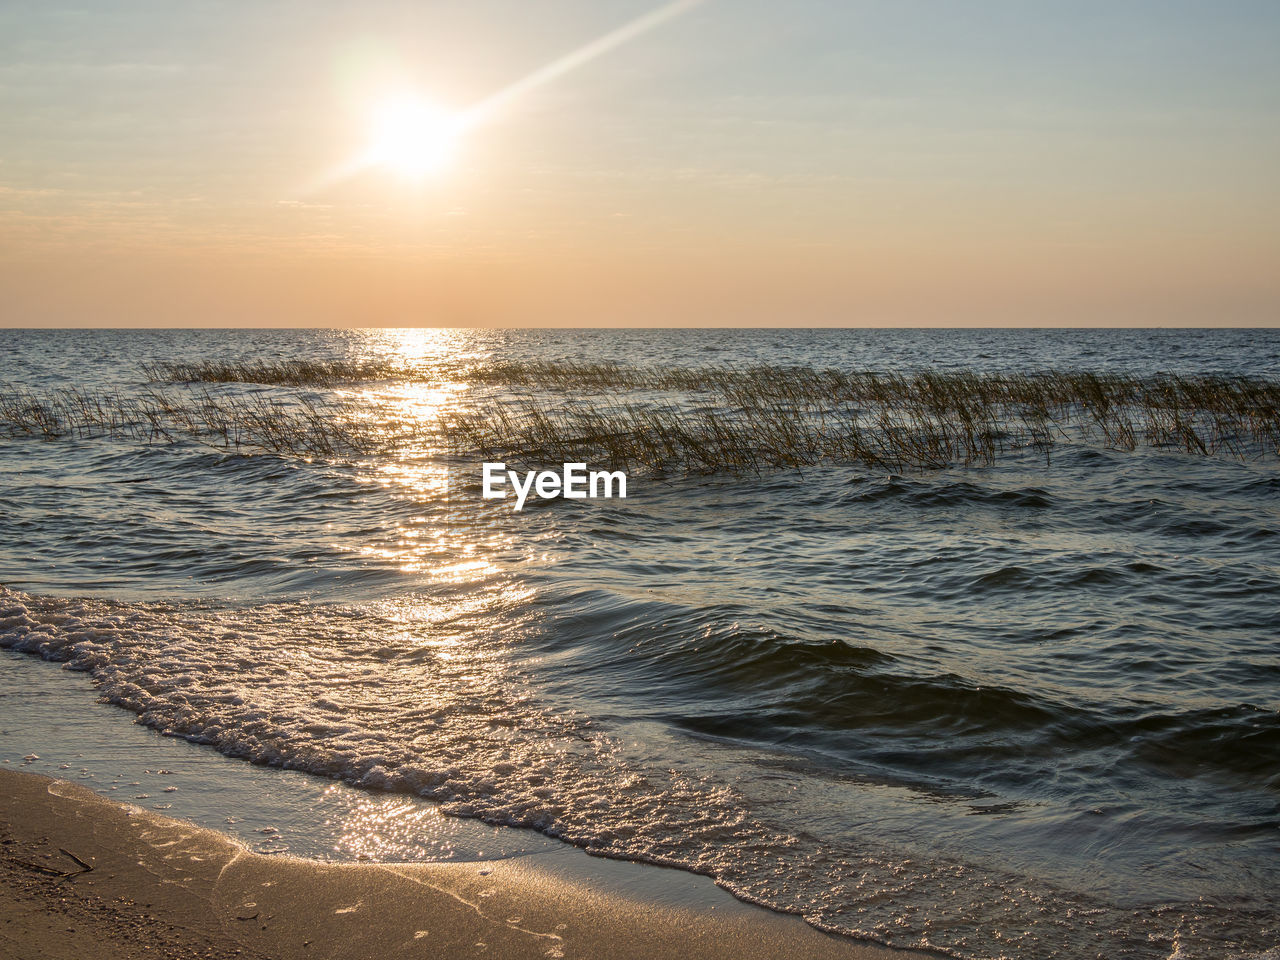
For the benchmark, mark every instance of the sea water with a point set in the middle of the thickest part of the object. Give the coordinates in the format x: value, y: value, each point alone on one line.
x: 1025, y: 708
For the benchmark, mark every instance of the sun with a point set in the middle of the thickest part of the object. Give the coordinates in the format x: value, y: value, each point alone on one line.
x: 412, y: 137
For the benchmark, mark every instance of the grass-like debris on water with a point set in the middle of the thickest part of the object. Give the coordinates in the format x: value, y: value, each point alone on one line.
x: 288, y: 373
x: 242, y: 424
x: 680, y: 420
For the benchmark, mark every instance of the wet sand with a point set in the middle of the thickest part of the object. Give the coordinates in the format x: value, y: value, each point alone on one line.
x: 84, y: 877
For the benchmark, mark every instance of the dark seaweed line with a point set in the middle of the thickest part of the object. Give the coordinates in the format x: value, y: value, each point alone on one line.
x: 1208, y: 414
x: 771, y: 435
x: 890, y: 421
x: 768, y: 417
x: 238, y: 424
x: 952, y: 390
x: 289, y: 373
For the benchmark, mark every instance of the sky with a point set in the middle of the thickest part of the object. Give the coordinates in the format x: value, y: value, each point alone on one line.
x: 620, y: 162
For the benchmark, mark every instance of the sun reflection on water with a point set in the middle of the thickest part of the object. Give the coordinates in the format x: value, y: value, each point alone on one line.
x: 423, y: 349
x: 392, y: 830
x: 440, y: 541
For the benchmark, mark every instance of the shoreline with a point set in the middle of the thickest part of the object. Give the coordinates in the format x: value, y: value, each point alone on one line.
x: 158, y: 887
x: 52, y: 723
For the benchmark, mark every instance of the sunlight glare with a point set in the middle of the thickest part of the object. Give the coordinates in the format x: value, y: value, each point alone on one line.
x: 417, y: 139
x: 412, y: 137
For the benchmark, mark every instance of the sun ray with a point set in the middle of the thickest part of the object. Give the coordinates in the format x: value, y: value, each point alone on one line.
x: 413, y: 138
x: 486, y: 108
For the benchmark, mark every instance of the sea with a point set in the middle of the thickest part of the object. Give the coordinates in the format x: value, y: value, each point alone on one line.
x: 1025, y: 708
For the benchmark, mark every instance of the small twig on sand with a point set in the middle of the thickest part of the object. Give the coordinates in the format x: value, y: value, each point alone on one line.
x: 84, y: 867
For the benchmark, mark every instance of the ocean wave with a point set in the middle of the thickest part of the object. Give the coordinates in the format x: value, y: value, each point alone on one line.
x: 328, y: 690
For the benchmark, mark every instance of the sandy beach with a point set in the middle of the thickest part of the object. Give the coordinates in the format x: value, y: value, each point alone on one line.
x: 85, y: 877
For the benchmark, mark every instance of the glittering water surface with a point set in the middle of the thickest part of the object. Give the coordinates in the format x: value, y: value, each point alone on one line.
x: 1023, y: 709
